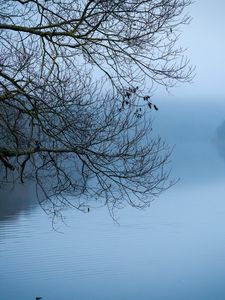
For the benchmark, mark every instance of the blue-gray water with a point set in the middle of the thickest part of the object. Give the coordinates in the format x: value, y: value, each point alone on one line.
x: 174, y: 250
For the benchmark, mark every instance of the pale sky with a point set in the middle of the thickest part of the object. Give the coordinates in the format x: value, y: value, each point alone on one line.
x: 205, y: 40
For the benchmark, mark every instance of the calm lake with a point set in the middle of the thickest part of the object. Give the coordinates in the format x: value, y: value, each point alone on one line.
x: 173, y: 250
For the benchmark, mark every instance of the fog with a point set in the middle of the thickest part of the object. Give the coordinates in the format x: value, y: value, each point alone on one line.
x: 173, y: 250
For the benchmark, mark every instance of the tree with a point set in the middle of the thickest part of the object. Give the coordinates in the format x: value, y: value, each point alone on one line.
x: 73, y: 100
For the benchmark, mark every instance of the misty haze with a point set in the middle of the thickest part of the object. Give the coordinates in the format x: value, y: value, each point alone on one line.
x: 112, y: 150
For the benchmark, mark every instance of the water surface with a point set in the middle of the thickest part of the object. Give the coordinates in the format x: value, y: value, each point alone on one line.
x: 173, y: 250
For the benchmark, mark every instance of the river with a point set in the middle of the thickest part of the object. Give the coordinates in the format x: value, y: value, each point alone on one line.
x: 173, y: 250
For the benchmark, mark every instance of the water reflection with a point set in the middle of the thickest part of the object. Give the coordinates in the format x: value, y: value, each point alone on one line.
x: 15, y: 200
x: 175, y: 250
x: 219, y: 139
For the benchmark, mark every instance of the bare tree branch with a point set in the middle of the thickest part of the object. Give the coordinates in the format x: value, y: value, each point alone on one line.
x: 59, y: 126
